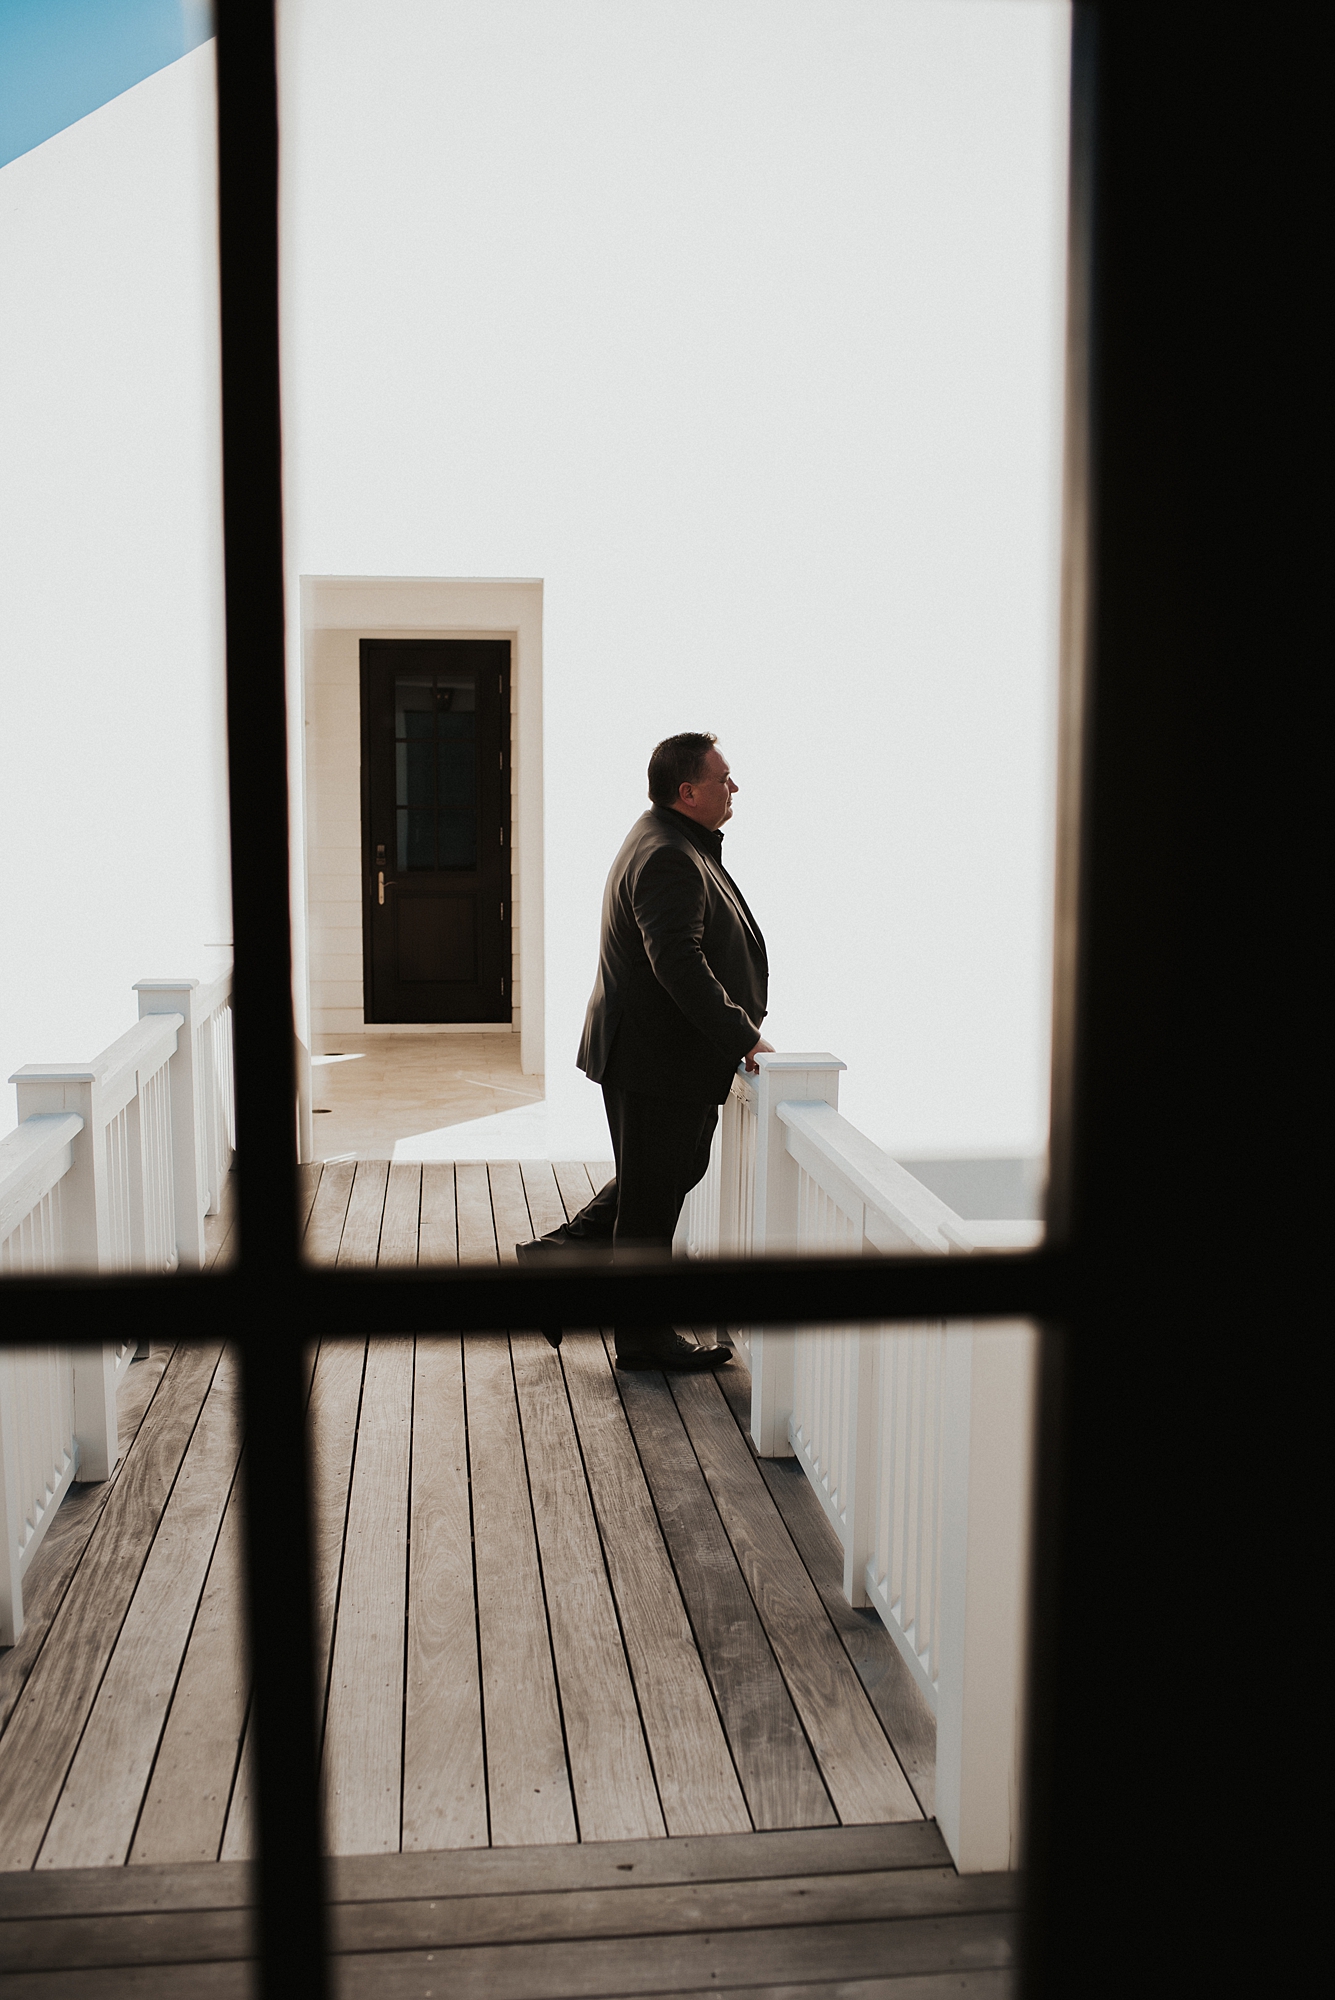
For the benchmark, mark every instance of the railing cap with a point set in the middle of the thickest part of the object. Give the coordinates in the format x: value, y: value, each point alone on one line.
x: 38, y: 1131
x: 821, y: 1059
x: 55, y: 1073
x: 164, y: 985
x: 124, y: 1052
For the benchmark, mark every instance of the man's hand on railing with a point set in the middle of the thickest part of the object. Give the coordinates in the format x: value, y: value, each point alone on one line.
x: 761, y: 1049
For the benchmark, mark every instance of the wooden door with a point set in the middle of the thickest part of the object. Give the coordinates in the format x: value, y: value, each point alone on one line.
x: 436, y: 829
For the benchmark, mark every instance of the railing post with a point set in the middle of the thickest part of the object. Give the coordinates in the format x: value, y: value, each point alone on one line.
x: 730, y: 1225
x: 96, y: 1426
x: 11, y: 1585
x: 138, y: 1173
x: 987, y: 1429
x: 782, y: 1077
x: 44, y: 1087
x: 862, y: 1466
x: 189, y: 1184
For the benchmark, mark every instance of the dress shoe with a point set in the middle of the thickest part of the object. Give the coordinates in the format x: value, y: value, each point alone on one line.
x: 558, y: 1248
x: 669, y: 1354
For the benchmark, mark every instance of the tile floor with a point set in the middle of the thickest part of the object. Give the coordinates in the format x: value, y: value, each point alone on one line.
x: 389, y: 1087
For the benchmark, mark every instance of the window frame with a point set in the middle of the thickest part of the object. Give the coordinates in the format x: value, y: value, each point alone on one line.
x: 268, y: 1302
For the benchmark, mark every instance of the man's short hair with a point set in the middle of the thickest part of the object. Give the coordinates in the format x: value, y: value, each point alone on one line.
x: 677, y: 761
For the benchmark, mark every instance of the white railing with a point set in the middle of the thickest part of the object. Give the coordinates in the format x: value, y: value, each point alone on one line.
x: 38, y: 1459
x: 916, y: 1440
x: 114, y: 1166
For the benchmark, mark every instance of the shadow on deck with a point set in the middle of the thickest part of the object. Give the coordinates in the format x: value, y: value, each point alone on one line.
x: 557, y: 1608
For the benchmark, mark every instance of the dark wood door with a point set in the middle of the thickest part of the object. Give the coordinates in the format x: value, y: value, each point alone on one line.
x: 436, y: 829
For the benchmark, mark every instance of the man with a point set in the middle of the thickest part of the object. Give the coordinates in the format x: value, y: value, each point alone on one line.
x: 679, y: 999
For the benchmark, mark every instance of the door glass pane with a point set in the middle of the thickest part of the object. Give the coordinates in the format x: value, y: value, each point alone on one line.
x: 435, y: 730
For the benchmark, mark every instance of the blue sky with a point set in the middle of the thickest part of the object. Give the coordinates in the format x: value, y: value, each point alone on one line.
x: 61, y: 59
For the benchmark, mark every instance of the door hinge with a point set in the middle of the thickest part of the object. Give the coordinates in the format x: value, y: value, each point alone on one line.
x: 501, y: 835
x: 502, y: 913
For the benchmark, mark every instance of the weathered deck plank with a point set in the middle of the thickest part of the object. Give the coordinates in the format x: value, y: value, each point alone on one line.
x: 858, y: 1913
x: 573, y: 1185
x: 861, y: 1772
x: 69, y: 1534
x: 905, y: 1845
x: 494, y: 1871
x: 438, y: 1235
x: 521, y: 1639
x: 238, y: 1842
x: 545, y: 1207
x: 363, y: 1745
x: 334, y: 1409
x: 444, y: 1762
x: 237, y: 1980
x: 894, y: 1694
x: 533, y: 1917
x: 528, y: 1782
x: 509, y: 1209
x: 572, y: 1969
x: 477, y: 1230
x: 94, y: 1820
x: 697, y: 1783
x: 610, y: 1770
x: 359, y: 1244
x: 185, y: 1808
x: 329, y: 1209
x: 39, y: 1744
x: 402, y: 1217
x: 334, y: 1400
x: 779, y: 1775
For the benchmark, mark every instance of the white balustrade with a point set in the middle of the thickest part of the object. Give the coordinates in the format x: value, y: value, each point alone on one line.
x: 203, y: 1119
x: 38, y: 1459
x: 916, y: 1440
x: 113, y: 1167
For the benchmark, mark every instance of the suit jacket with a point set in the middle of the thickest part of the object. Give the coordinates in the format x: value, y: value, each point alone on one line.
x: 682, y: 974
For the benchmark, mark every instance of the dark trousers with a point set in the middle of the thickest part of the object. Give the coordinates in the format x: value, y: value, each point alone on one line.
x: 661, y: 1149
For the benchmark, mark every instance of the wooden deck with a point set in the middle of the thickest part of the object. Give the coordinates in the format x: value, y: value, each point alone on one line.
x: 557, y: 1608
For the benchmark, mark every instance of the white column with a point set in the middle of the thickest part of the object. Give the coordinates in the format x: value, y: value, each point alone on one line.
x: 782, y: 1079
x: 189, y: 1184
x: 987, y: 1445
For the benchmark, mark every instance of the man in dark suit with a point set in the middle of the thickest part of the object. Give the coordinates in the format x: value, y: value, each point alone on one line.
x: 680, y: 995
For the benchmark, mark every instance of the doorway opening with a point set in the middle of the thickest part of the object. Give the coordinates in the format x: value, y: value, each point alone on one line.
x: 436, y: 889
x: 333, y: 900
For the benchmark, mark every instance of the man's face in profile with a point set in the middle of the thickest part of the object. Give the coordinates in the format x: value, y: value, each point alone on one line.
x: 709, y: 799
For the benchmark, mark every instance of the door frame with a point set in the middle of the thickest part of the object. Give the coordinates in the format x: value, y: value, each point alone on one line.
x: 337, y: 613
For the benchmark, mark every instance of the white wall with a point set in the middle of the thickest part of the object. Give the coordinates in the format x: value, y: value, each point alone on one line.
x: 738, y: 325
x: 336, y: 614
x: 737, y: 322
x: 113, y: 787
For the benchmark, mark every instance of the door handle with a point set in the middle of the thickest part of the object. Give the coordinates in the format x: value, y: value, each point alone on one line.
x: 382, y: 885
